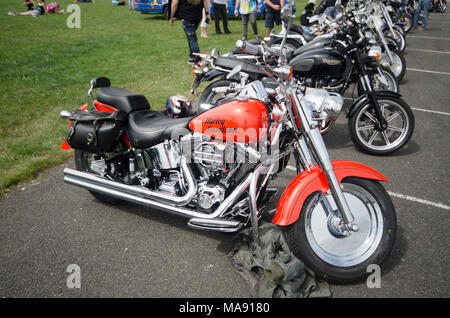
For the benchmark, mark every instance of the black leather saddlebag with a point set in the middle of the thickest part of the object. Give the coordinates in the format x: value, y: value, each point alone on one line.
x: 94, y: 131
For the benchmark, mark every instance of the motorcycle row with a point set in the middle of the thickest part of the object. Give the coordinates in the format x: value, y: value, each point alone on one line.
x: 363, y: 47
x: 268, y: 102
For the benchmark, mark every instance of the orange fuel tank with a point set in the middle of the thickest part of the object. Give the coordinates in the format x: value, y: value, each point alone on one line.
x: 237, y: 121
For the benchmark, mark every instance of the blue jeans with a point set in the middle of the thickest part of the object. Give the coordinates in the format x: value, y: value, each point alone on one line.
x: 425, y: 6
x: 330, y: 12
x: 190, y: 31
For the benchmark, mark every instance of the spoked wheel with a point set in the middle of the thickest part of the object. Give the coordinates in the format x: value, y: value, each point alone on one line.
x: 398, y: 65
x: 316, y: 237
x: 384, y: 81
x: 367, y: 134
x: 398, y: 40
x: 408, y: 20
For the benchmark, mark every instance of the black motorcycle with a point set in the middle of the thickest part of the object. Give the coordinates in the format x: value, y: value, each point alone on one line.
x: 380, y: 122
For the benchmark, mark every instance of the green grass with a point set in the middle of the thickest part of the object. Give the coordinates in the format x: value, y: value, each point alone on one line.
x: 46, y: 67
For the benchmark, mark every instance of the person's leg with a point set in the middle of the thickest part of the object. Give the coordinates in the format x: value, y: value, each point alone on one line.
x: 426, y: 10
x: 329, y: 11
x: 191, y: 36
x: 32, y: 13
x: 225, y: 18
x: 269, y: 22
x: 416, y: 15
x: 253, y: 23
x: 245, y: 18
x: 217, y: 18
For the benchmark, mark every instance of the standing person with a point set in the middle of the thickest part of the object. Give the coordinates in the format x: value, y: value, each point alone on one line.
x: 131, y: 4
x: 273, y: 14
x: 220, y: 12
x: 247, y: 9
x: 425, y: 6
x: 190, y: 12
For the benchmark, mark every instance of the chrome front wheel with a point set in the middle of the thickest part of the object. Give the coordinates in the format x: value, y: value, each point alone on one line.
x: 317, y: 237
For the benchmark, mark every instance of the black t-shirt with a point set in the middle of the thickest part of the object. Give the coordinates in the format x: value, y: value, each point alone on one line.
x: 190, y: 10
x: 275, y: 2
x: 331, y: 3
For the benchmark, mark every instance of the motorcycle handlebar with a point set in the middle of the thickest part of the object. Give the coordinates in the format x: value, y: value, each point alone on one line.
x: 248, y: 48
x: 255, y: 49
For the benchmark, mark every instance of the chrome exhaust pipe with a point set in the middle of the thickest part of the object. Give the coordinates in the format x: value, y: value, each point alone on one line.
x: 134, y: 194
x: 71, y: 175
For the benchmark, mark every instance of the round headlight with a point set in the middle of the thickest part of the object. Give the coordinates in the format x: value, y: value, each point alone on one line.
x: 332, y: 105
x: 316, y: 98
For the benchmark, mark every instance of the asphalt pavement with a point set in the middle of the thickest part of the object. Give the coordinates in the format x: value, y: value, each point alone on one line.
x: 132, y: 251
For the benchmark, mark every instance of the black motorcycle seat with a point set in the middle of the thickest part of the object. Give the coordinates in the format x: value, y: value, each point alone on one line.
x: 122, y: 99
x: 147, y: 128
x: 229, y: 63
x: 308, y: 36
x: 296, y: 28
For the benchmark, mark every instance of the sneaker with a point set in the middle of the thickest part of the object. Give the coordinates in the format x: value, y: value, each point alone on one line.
x: 191, y: 60
x: 228, y: 32
x: 11, y: 13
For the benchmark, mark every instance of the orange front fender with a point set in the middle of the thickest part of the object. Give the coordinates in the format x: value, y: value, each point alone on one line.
x: 313, y: 180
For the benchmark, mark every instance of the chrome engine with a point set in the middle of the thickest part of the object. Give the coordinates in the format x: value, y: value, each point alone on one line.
x: 218, y: 165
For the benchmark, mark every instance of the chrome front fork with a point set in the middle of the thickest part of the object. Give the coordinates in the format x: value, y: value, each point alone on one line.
x: 318, y: 146
x: 385, y: 44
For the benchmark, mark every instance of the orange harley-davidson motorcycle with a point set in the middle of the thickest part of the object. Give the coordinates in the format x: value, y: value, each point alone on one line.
x: 214, y: 169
